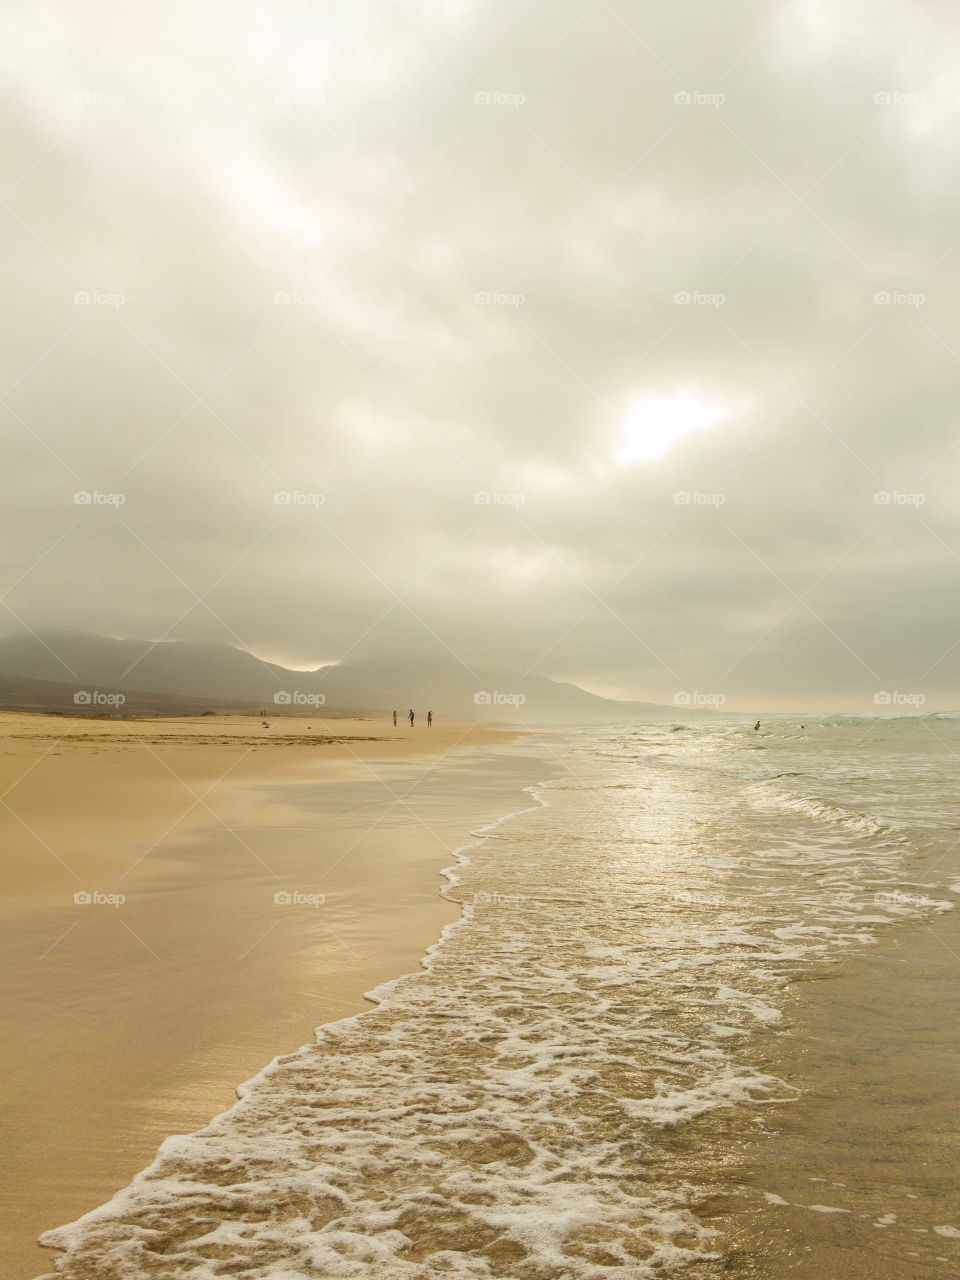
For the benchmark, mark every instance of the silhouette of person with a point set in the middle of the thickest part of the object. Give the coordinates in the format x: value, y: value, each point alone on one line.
x: 411, y: 717
x: 757, y: 725
x: 394, y: 719
x: 429, y: 719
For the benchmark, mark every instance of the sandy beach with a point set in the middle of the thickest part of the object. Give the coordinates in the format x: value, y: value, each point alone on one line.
x: 237, y: 887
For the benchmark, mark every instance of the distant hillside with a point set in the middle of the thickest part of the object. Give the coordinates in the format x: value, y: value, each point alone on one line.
x: 184, y: 668
x: 211, y: 675
x: 450, y: 689
x: 55, y: 697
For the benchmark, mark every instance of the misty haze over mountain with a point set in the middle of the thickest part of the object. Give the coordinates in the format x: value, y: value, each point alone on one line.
x: 218, y: 674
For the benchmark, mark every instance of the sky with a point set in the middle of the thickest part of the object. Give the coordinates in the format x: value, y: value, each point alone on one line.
x: 612, y: 341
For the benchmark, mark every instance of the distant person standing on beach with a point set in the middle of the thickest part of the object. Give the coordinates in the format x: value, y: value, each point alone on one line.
x: 429, y: 719
x: 394, y: 719
x: 411, y: 717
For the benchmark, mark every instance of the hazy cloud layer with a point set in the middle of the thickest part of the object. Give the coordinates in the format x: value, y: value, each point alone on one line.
x: 399, y: 255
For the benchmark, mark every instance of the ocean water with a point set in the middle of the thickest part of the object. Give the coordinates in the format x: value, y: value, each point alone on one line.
x: 579, y: 1081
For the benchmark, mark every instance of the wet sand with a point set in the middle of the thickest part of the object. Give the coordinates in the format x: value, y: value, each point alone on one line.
x: 863, y: 1167
x: 124, y: 1021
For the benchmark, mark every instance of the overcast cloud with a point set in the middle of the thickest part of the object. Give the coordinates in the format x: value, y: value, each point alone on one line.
x: 379, y: 165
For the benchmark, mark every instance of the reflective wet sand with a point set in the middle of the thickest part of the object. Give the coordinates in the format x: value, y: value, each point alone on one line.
x: 121, y: 1025
x: 867, y: 1159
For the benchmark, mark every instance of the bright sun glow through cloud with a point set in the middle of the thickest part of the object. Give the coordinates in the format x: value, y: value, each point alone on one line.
x: 654, y: 425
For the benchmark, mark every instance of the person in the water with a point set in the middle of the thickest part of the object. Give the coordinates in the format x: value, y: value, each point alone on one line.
x: 757, y: 725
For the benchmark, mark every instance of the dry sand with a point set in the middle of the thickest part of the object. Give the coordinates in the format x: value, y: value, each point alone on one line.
x: 124, y: 1021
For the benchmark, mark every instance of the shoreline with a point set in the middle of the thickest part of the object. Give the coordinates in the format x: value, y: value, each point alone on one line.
x: 129, y: 1022
x: 792, y: 1137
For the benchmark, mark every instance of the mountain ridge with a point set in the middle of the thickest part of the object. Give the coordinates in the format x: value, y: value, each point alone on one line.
x: 216, y: 672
